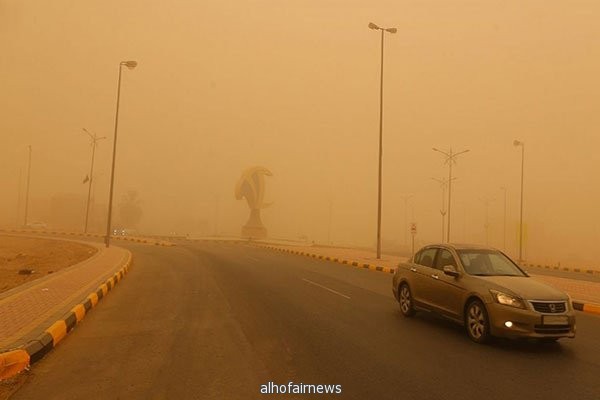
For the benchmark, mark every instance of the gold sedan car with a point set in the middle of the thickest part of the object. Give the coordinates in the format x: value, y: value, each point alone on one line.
x: 484, y: 290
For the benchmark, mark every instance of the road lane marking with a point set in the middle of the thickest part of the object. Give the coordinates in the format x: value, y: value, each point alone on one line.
x: 326, y: 288
x: 253, y: 259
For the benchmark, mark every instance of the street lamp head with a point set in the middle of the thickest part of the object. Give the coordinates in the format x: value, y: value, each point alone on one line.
x: 373, y: 26
x: 517, y: 143
x: 129, y: 64
x: 391, y: 30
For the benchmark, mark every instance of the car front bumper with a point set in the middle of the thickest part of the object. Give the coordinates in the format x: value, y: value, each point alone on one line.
x: 527, y: 323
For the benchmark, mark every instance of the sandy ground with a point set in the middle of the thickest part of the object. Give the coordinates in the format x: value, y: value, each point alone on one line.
x: 42, y: 256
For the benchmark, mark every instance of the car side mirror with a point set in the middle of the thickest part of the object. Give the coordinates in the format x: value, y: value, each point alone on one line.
x: 450, y: 270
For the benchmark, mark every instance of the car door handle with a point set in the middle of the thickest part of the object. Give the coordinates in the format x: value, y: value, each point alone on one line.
x: 413, y: 269
x: 434, y: 276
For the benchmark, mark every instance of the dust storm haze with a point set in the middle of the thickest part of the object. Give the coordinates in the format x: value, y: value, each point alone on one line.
x: 294, y: 86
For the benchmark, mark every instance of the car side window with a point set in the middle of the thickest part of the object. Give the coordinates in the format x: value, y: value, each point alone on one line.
x: 416, y: 257
x: 444, y: 258
x: 426, y: 257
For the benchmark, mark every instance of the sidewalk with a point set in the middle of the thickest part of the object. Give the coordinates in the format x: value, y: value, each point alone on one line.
x: 579, y: 290
x: 28, y: 310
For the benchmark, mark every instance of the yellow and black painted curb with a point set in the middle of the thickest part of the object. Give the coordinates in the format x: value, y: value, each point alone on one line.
x: 565, y: 269
x: 14, y: 361
x: 371, y: 267
x: 136, y: 239
x: 587, y: 307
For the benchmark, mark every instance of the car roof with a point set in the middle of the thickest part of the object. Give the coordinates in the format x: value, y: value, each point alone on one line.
x: 462, y: 246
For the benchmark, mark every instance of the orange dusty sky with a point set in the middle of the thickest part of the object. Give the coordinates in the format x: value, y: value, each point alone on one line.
x: 294, y: 86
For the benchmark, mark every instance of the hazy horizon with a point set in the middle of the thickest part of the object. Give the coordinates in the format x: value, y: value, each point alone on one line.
x: 294, y: 87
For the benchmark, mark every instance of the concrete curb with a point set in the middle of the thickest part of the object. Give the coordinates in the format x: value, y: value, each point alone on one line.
x: 14, y: 361
x: 586, y: 307
x: 371, y: 267
x: 565, y: 269
x: 577, y: 305
x: 152, y: 241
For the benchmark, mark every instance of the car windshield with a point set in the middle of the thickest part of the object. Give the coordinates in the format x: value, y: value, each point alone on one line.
x: 488, y: 263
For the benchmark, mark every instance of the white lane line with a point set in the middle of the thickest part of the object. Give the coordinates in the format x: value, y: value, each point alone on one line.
x: 326, y: 288
x: 254, y: 259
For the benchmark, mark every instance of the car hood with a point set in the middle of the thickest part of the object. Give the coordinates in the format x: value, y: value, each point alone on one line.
x: 525, y: 287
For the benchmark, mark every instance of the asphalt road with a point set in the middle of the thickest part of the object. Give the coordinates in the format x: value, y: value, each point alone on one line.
x: 216, y: 321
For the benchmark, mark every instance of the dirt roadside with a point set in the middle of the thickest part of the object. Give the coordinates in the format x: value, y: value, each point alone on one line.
x: 24, y: 259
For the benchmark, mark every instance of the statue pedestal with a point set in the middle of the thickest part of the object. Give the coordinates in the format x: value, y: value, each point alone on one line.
x: 254, y: 228
x: 254, y: 232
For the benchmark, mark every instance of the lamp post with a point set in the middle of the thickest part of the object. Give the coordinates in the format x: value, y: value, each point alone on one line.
x: 518, y: 143
x: 486, y: 203
x: 450, y: 158
x: 130, y: 65
x: 406, y: 227
x: 94, y: 138
x: 27, y: 188
x: 503, y: 188
x: 383, y: 30
x: 17, y: 214
x: 443, y: 183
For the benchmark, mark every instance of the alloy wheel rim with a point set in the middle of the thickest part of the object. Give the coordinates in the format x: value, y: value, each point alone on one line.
x: 404, y: 299
x: 476, y: 321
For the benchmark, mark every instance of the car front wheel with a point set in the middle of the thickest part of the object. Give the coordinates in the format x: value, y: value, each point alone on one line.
x: 477, y: 322
x: 405, y: 300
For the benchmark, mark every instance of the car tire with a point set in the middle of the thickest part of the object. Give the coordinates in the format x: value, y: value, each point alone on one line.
x: 477, y: 322
x: 406, y: 301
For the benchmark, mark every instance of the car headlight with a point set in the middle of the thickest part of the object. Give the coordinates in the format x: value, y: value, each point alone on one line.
x: 507, y: 299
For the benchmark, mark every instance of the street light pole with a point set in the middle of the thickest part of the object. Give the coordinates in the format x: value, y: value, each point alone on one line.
x: 406, y: 198
x: 450, y: 158
x: 18, y: 213
x: 329, y: 224
x: 522, y: 144
x: 503, y: 188
x: 486, y: 203
x: 27, y: 188
x: 443, y: 183
x: 130, y: 65
x: 383, y: 30
x: 95, y: 140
